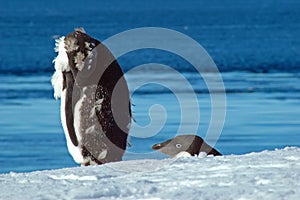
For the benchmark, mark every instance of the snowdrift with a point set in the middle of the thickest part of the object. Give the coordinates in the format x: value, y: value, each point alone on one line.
x: 266, y: 175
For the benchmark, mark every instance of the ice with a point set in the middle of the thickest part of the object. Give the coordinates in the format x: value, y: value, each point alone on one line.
x: 267, y: 175
x: 74, y: 177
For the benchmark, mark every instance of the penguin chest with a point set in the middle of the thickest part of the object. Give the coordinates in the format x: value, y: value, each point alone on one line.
x: 75, y: 151
x: 91, y: 141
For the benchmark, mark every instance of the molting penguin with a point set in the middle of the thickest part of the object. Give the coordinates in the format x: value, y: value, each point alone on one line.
x: 185, y: 144
x: 95, y: 105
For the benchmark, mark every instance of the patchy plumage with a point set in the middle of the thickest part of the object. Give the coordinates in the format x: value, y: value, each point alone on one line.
x: 95, y: 105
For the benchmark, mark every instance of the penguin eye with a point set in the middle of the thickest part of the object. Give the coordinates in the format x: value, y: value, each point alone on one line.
x: 178, y: 146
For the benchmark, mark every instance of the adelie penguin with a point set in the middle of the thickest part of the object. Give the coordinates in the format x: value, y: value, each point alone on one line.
x: 95, y: 105
x: 191, y: 145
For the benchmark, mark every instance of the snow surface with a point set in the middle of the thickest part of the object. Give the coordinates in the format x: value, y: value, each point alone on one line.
x: 266, y: 175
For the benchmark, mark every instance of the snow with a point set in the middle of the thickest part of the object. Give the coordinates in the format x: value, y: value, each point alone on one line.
x: 267, y: 175
x: 183, y: 154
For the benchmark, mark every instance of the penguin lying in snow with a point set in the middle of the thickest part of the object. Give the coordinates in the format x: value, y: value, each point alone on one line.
x: 96, y: 125
x: 191, y: 145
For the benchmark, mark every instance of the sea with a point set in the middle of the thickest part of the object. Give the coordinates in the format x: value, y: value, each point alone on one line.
x: 255, y: 46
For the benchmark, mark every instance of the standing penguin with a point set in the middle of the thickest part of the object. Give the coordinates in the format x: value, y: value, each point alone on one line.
x: 185, y: 144
x: 95, y: 105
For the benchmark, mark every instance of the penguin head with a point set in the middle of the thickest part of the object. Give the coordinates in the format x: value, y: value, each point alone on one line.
x: 79, y: 48
x: 185, y: 144
x: 75, y: 53
x: 180, y: 144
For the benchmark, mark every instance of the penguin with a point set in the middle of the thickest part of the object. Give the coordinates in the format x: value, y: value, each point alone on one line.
x: 191, y: 145
x: 95, y: 106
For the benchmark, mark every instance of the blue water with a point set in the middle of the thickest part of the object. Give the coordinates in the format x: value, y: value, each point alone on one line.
x: 255, y: 45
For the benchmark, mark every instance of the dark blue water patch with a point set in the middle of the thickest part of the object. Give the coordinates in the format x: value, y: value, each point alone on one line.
x: 30, y: 152
x: 283, y: 86
x: 263, y: 90
x: 23, y: 94
x: 241, y: 145
x: 256, y: 36
x: 10, y: 102
x: 286, y: 98
x: 284, y: 90
x: 228, y: 91
x: 24, y: 87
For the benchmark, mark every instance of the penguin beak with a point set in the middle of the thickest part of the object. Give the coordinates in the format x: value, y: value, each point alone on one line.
x: 156, y: 146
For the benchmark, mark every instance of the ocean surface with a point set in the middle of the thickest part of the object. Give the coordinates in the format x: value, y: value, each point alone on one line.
x: 255, y: 45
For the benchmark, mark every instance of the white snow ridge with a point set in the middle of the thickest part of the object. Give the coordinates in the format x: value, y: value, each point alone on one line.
x: 264, y: 175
